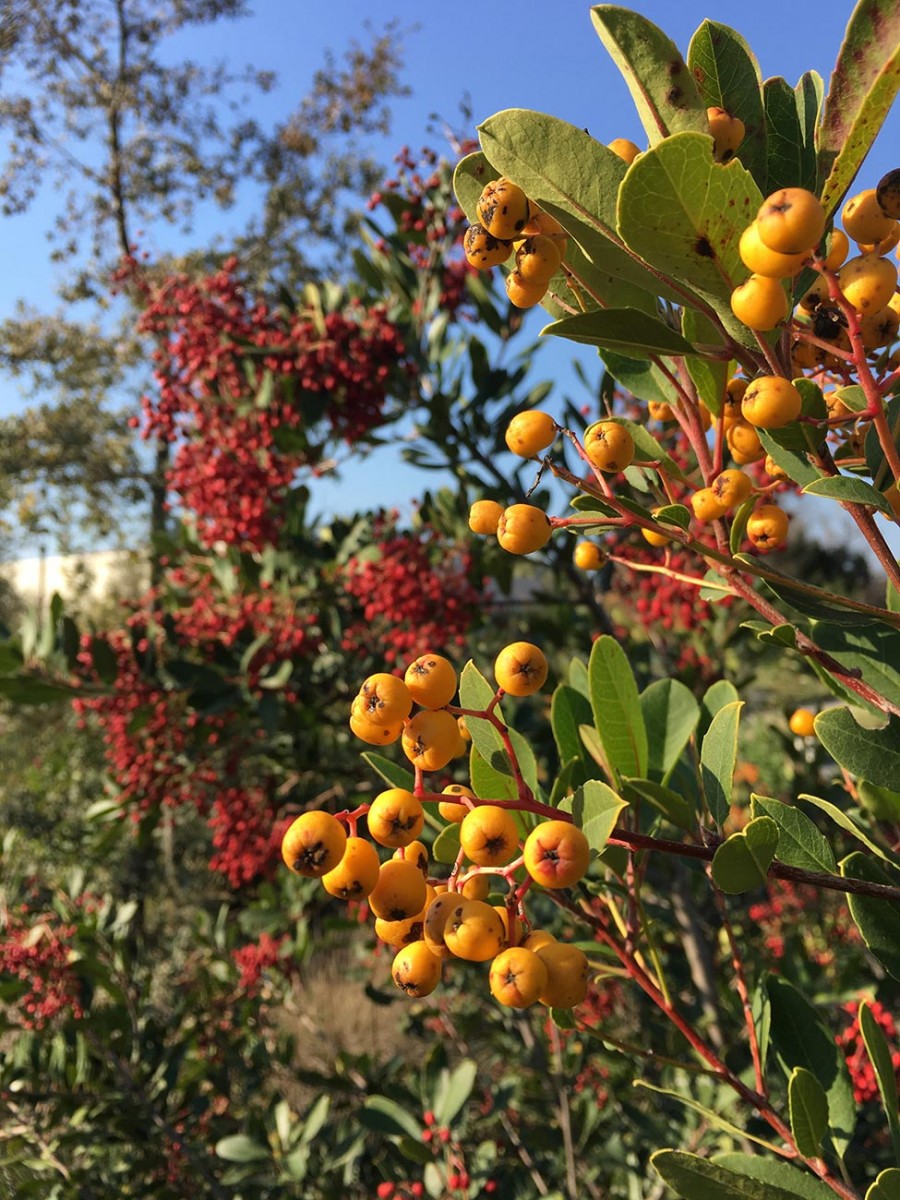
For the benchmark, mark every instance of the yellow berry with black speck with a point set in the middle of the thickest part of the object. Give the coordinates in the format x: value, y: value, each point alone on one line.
x: 484, y: 251
x: 609, y: 446
x: 313, y: 844
x: 503, y: 209
x: 415, y: 970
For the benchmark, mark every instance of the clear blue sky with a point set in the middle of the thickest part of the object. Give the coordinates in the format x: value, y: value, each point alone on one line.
x: 538, y: 55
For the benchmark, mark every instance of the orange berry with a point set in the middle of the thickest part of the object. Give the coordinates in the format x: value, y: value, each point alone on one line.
x: 400, y: 892
x: 802, y: 722
x: 838, y: 249
x: 454, y: 812
x: 706, y: 505
x: 483, y: 250
x: 372, y: 732
x: 727, y: 133
x: 759, y: 259
x: 522, y: 294
x: 395, y: 818
x: 887, y: 193
x: 609, y: 446
x: 760, y: 303
x: 430, y: 739
x: 386, y: 699
x: 588, y: 556
x: 484, y: 516
x: 503, y: 209
x: 521, y: 669
x: 357, y: 872
x: 791, y: 221
x: 538, y: 259
x: 557, y: 854
x: 767, y: 527
x: 517, y: 977
x: 523, y: 528
x: 431, y: 680
x: 863, y: 218
x: 625, y: 149
x: 473, y: 931
x: 415, y: 852
x: 771, y: 402
x: 313, y: 844
x: 567, y: 975
x: 528, y: 433
x: 489, y: 836
x: 415, y: 970
x: 743, y: 442
x: 868, y: 282
x: 478, y: 887
x: 732, y: 488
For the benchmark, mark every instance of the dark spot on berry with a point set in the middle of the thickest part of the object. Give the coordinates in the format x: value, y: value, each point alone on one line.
x: 703, y: 247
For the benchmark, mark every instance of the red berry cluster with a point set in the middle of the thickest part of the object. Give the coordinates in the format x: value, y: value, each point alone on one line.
x: 417, y: 595
x: 862, y: 1073
x: 34, y: 951
x: 250, y: 392
x: 782, y: 915
x: 163, y: 754
x: 254, y: 958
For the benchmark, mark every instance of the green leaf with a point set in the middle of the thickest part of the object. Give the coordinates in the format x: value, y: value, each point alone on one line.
x: 728, y: 77
x: 27, y: 690
x: 575, y: 178
x: 785, y: 149
x: 488, y: 784
x: 453, y: 1090
x: 739, y: 524
x: 315, y: 1119
x: 709, y: 374
x: 880, y: 1055
x: 476, y: 693
x: 279, y: 677
x: 848, y: 489
x: 715, y: 698
x: 861, y: 90
x: 742, y: 861
x: 662, y: 87
x: 673, y: 806
x: 808, y: 1107
x: 595, y: 808
x: 685, y: 213
x: 879, y: 468
x: 846, y: 823
x: 710, y: 1114
x: 594, y: 747
x: 761, y: 1011
x: 697, y: 1178
x: 240, y: 1148
x: 800, y: 844
x: 809, y: 94
x: 871, y: 649
x: 623, y: 330
x: 718, y: 755
x: 568, y: 710
x: 11, y: 659
x: 616, y: 705
x: 776, y: 1173
x: 872, y: 754
x: 809, y: 603
x: 802, y: 1039
x: 383, y: 1115
x: 886, y: 1186
x: 392, y: 773
x: 670, y: 715
x: 643, y: 379
x: 674, y: 514
x: 446, y: 845
x: 878, y: 920
x: 471, y: 175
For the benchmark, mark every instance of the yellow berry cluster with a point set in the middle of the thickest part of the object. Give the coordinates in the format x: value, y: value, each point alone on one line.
x: 508, y: 221
x: 426, y: 920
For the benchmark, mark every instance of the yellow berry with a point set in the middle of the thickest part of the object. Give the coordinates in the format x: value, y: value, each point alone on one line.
x: 759, y: 259
x: 528, y: 433
x: 415, y: 970
x: 503, y: 209
x: 743, y: 442
x: 431, y: 680
x: 567, y: 975
x: 356, y: 874
x: 484, y: 516
x: 791, y: 221
x: 767, y: 527
x: 727, y: 133
x: 588, y: 556
x: 863, y: 218
x: 483, y: 250
x: 538, y: 259
x: 625, y: 149
x: 430, y: 739
x: 517, y: 977
x: 609, y: 446
x: 489, y: 836
x: 454, y: 812
x: 771, y: 402
x: 523, y: 528
x: 395, y: 818
x: 522, y: 294
x: 414, y: 852
x: 520, y: 669
x: 802, y: 722
x: 557, y: 854
x: 838, y: 249
x: 760, y: 303
x: 372, y: 732
x: 732, y: 488
x: 706, y: 505
x: 313, y: 844
x: 478, y: 887
x: 400, y: 892
x: 386, y: 699
x: 868, y: 282
x: 473, y: 931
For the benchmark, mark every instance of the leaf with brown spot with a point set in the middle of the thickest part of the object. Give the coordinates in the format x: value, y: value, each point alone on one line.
x: 862, y: 88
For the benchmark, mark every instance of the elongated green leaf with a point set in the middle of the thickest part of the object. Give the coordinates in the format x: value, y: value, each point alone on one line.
x: 846, y: 823
x: 809, y: 603
x: 800, y: 844
x: 616, y: 705
x: 716, y: 697
x: 886, y: 1186
x: 697, y: 1178
x: 742, y: 861
x: 623, y: 330
x: 575, y: 178
x: 685, y: 213
x: 878, y: 920
x: 595, y: 808
x: 802, y: 1039
x: 776, y: 1173
x: 880, y: 1056
x: 784, y: 136
x: 848, y: 489
x: 488, y: 784
x: 871, y: 649
x: 709, y: 374
x: 670, y: 714
x: 861, y: 90
x: 809, y: 94
x: 453, y: 1090
x: 476, y: 693
x: 643, y: 379
x: 389, y: 771
x: 662, y: 87
x: 671, y: 804
x: 728, y: 77
x: 808, y: 1107
x: 568, y: 710
x: 27, y: 690
x: 718, y: 755
x: 876, y: 461
x: 710, y: 1114
x: 240, y: 1148
x: 761, y: 1011
x: 594, y: 747
x: 872, y: 754
x: 383, y: 1115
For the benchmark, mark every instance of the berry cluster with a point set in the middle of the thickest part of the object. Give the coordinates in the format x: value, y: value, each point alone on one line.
x: 250, y: 391
x: 36, y: 955
x: 508, y: 221
x: 859, y: 1062
x: 426, y: 919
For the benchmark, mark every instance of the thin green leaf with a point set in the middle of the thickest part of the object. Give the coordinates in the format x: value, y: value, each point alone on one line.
x: 775, y: 1173
x: 568, y: 710
x: 882, y: 1063
x: 785, y: 148
x: 877, y: 919
x: 808, y: 1107
x: 710, y: 1114
x: 696, y: 1178
x: 718, y: 756
x: 595, y: 808
x: 453, y: 1091
x: 622, y: 330
x: 392, y: 773
x: 616, y: 705
x: 872, y: 754
x: 742, y: 861
x: 673, y: 806
x: 848, y: 489
x: 846, y: 823
x: 383, y: 1115
x: 670, y: 714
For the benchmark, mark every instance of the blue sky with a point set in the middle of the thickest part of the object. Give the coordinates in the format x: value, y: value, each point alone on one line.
x: 537, y: 55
